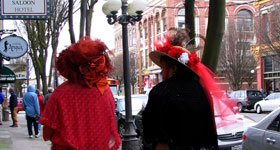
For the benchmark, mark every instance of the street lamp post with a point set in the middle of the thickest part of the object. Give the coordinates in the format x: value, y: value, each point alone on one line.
x: 131, y: 13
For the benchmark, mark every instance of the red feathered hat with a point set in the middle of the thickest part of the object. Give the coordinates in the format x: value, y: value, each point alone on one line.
x: 85, y: 62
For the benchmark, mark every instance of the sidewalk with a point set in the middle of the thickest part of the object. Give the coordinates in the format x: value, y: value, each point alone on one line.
x: 17, y: 138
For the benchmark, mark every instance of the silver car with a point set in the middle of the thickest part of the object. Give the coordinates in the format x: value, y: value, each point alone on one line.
x: 230, y: 129
x: 265, y: 135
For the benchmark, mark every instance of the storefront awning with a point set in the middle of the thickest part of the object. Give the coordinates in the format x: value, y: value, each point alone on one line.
x: 7, y: 75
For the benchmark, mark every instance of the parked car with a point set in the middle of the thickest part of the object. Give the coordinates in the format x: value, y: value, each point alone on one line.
x: 138, y: 103
x: 20, y: 104
x: 271, y: 102
x: 246, y: 99
x: 265, y: 135
x: 230, y: 129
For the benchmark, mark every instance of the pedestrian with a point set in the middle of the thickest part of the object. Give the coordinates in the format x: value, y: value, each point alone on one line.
x: 79, y: 115
x: 50, y: 90
x: 263, y: 93
x: 31, y: 107
x: 13, y: 107
x: 2, y: 99
x: 41, y: 105
x: 179, y: 114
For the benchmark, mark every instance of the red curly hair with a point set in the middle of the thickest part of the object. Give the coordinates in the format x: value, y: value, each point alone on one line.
x: 80, y: 55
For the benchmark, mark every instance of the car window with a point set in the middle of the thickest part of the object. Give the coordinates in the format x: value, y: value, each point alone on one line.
x: 242, y: 94
x: 254, y: 94
x: 275, y: 125
x: 137, y: 103
x: 277, y: 95
x: 270, y: 96
x: 233, y: 95
x: 237, y: 94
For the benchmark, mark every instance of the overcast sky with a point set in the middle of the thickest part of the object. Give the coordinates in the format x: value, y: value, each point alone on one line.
x: 100, y: 28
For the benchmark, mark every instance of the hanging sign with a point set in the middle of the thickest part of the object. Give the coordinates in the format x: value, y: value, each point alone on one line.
x: 13, y: 46
x: 25, y: 9
x: 20, y: 70
x: 7, y: 75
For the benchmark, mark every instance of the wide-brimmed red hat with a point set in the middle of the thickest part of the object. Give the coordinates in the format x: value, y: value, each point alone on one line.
x: 190, y: 61
x: 177, y: 54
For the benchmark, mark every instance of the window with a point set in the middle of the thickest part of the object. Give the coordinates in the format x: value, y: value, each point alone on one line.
x: 164, y: 19
x: 242, y: 94
x: 277, y: 95
x: 146, y: 29
x: 142, y: 60
x: 275, y: 125
x: 140, y: 30
x: 268, y: 64
x: 151, y: 28
x: 181, y: 18
x: 244, y: 21
x: 244, y: 47
x: 134, y: 42
x: 146, y: 58
x: 130, y: 38
x: 158, y: 23
x: 266, y: 23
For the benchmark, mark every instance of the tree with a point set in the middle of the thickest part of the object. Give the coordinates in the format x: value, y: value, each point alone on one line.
x: 117, y: 62
x: 18, y: 85
x: 41, y: 34
x: 189, y: 19
x: 86, y: 10
x: 268, y: 31
x: 215, y: 32
x: 133, y: 71
x: 236, y: 61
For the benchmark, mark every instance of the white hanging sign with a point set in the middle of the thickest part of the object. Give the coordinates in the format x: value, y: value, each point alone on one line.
x: 13, y: 46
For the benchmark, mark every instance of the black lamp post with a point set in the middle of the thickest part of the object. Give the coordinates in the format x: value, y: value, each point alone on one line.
x: 131, y: 13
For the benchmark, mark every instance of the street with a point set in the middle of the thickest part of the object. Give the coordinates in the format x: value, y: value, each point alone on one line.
x: 17, y: 138
x: 253, y: 115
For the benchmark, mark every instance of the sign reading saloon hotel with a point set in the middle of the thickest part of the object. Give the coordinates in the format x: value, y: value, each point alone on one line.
x: 25, y: 9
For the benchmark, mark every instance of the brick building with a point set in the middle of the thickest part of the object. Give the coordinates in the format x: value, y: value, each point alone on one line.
x: 266, y: 49
x: 161, y: 15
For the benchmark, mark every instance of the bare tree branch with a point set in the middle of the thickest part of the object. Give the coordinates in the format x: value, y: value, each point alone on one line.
x: 236, y: 61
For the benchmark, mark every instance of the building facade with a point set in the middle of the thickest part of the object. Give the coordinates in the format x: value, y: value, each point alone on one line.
x: 161, y: 15
x: 267, y: 48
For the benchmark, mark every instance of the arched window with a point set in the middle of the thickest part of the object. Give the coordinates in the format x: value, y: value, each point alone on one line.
x: 158, y: 23
x: 140, y: 30
x: 134, y: 37
x: 244, y: 20
x: 164, y: 20
x: 130, y: 37
x: 181, y: 18
x: 146, y: 29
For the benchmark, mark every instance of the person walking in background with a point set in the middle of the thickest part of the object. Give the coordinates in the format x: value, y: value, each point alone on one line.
x: 30, y: 105
x: 50, y: 90
x: 80, y: 114
x: 263, y: 93
x: 13, y: 107
x: 179, y: 114
x: 41, y: 105
x: 2, y: 98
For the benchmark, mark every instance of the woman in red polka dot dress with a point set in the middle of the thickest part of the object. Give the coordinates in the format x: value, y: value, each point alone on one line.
x: 79, y: 114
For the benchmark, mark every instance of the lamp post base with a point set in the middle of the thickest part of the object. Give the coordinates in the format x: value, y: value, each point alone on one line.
x: 131, y: 143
